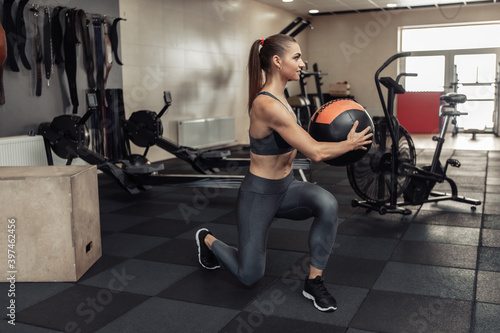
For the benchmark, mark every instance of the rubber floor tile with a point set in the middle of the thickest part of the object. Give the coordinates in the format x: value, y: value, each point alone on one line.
x: 141, y: 277
x: 80, y: 308
x: 160, y: 227
x: 471, y: 220
x: 175, y: 251
x: 355, y: 272
x: 20, y: 327
x: 487, y: 318
x: 256, y: 322
x: 487, y: 287
x: 443, y: 234
x: 215, y: 287
x: 436, y: 254
x: 492, y: 221
x: 170, y: 316
x: 105, y: 262
x: 364, y: 247
x: 390, y: 312
x: 489, y: 259
x: 117, y: 222
x: 108, y: 206
x: 279, y: 263
x: 438, y: 281
x: 202, y: 213
x: 491, y: 238
x: 284, y: 299
x: 291, y: 240
x: 119, y: 244
x: 29, y: 293
x: 491, y: 208
x: 454, y: 206
x: 146, y: 209
x: 374, y: 225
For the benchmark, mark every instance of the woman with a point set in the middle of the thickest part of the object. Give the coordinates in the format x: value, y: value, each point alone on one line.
x: 269, y: 189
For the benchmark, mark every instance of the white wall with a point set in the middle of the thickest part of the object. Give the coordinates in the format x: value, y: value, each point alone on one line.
x: 351, y: 47
x: 197, y: 49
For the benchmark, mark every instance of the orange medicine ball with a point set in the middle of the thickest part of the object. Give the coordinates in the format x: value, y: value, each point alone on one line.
x: 333, y: 121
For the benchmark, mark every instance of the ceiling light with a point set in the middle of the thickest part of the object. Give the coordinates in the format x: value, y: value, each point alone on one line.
x: 287, y: 0
x: 392, y: 5
x: 313, y: 11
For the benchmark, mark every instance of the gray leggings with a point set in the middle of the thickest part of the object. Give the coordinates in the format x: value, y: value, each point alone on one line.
x: 260, y: 200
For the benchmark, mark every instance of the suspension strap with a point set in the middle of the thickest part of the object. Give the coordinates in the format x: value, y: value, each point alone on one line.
x: 10, y: 32
x: 3, y: 57
x: 114, y: 38
x: 108, y: 52
x: 57, y: 35
x: 81, y: 18
x: 100, y: 113
x: 37, y: 45
x: 21, y: 33
x: 48, y: 54
x: 70, y: 58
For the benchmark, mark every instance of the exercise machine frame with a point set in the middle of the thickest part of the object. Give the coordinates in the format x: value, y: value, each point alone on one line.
x: 144, y: 128
x: 418, y: 188
x: 67, y: 136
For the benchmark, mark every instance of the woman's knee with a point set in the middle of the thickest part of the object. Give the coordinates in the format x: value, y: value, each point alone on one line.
x: 250, y: 279
x: 325, y: 203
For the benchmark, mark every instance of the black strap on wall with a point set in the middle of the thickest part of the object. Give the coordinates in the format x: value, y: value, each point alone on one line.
x: 47, y: 44
x: 99, y: 56
x: 57, y: 35
x: 81, y: 18
x: 108, y: 54
x: 21, y: 33
x: 70, y: 57
x: 10, y: 32
x: 113, y: 35
x: 3, y: 57
x: 37, y: 44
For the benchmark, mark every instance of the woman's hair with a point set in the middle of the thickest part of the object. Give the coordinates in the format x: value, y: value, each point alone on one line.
x: 261, y: 60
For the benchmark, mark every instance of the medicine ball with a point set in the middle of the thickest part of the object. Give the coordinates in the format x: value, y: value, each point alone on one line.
x: 333, y: 121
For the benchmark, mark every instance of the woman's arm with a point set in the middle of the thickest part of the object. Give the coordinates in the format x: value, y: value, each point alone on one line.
x: 275, y: 116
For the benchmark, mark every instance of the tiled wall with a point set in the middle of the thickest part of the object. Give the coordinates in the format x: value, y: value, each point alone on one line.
x: 198, y: 50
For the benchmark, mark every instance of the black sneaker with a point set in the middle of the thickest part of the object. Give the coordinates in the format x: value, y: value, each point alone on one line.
x: 315, y: 290
x: 206, y: 257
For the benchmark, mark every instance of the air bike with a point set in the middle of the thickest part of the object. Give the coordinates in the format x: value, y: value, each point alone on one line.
x: 68, y: 137
x: 388, y: 171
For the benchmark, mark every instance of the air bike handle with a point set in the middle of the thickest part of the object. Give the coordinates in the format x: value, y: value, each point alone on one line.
x: 388, y: 62
x: 387, y: 112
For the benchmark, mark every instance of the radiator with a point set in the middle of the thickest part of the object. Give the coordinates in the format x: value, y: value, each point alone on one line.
x: 27, y: 151
x: 204, y: 133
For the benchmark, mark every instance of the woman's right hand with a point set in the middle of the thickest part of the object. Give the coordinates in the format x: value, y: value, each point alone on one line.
x: 359, y: 140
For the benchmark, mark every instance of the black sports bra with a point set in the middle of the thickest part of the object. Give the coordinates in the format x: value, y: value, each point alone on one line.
x: 273, y: 144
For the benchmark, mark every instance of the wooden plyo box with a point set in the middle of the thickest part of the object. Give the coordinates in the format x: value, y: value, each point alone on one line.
x: 49, y: 223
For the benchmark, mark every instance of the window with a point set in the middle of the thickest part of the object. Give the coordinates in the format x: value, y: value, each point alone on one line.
x: 461, y: 58
x: 430, y: 73
x: 456, y: 37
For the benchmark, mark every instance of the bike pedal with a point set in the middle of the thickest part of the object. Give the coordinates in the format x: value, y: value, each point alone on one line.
x: 453, y: 162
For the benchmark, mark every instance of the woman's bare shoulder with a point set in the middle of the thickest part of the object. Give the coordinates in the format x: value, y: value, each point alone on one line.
x: 264, y: 107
